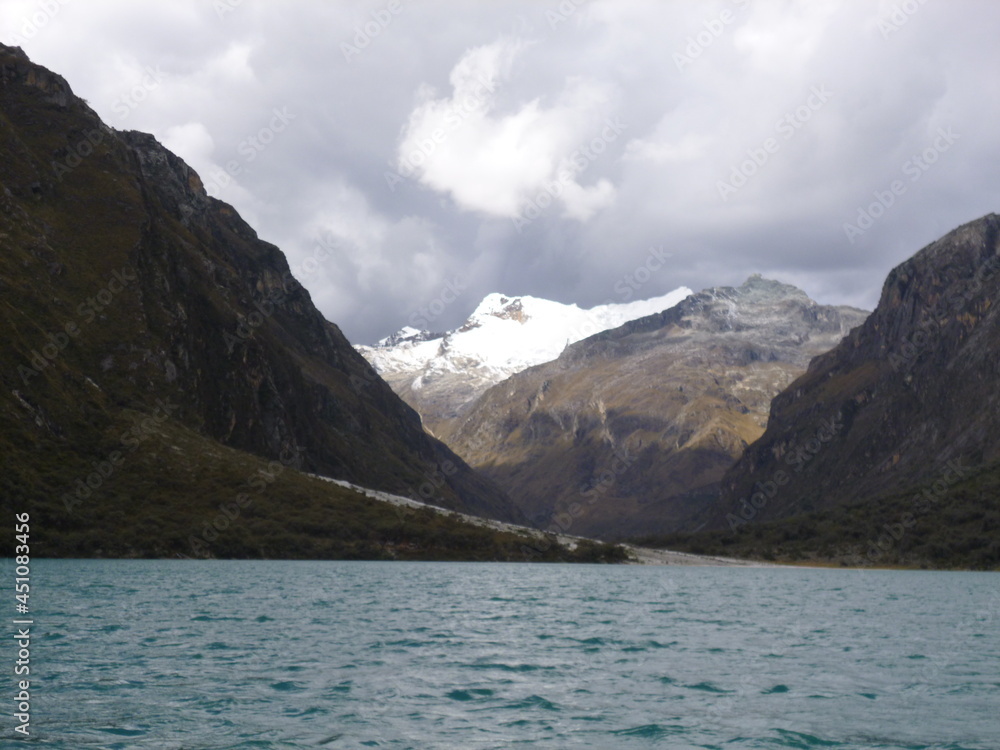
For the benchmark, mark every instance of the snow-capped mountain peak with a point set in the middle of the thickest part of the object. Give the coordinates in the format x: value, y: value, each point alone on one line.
x: 406, y: 335
x: 504, y: 335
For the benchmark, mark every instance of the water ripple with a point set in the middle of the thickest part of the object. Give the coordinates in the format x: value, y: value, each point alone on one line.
x: 177, y: 654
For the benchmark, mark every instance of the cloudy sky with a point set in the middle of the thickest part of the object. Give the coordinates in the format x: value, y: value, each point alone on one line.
x: 412, y: 156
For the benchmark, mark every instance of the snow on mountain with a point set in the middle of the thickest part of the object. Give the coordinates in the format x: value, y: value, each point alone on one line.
x: 503, y: 336
x: 508, y: 334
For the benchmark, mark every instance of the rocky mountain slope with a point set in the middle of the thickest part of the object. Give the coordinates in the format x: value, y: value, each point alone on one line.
x: 629, y: 431
x: 906, y: 407
x: 440, y: 374
x: 152, y: 347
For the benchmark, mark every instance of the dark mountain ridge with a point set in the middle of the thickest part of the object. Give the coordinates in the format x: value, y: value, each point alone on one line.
x: 129, y: 296
x: 887, y: 450
x: 914, y: 387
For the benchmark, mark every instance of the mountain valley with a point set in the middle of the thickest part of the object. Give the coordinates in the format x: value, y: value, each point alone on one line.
x: 629, y: 431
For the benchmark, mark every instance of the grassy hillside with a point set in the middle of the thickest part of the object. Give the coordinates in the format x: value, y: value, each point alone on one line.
x: 166, y: 491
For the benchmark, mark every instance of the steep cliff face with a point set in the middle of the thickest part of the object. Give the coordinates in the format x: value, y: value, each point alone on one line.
x: 900, y: 403
x: 128, y: 292
x: 628, y: 432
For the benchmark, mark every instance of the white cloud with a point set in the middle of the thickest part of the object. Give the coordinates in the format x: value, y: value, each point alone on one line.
x: 193, y: 143
x: 783, y: 37
x: 233, y: 64
x: 688, y: 147
x: 493, y: 162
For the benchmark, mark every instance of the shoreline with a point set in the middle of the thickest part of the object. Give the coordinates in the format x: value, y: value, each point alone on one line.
x: 640, y: 555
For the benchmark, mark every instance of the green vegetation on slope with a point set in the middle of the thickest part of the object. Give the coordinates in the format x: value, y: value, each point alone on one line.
x: 165, y: 491
x: 953, y: 527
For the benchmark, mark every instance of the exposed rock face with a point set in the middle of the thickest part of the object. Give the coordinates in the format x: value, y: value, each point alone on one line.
x: 142, y: 287
x: 441, y: 374
x: 910, y: 390
x: 629, y: 431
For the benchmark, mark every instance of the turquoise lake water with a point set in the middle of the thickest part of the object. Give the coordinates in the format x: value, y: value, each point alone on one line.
x: 234, y: 654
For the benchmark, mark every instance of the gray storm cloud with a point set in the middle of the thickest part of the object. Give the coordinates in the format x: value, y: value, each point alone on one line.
x: 393, y: 147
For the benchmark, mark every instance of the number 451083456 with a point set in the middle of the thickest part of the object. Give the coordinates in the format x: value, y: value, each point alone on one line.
x: 21, y: 583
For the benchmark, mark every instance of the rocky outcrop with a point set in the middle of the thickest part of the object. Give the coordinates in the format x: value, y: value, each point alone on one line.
x: 629, y: 431
x: 898, y: 404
